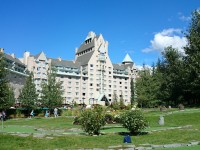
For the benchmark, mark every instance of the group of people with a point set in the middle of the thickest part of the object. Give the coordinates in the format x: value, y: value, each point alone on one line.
x: 47, y: 113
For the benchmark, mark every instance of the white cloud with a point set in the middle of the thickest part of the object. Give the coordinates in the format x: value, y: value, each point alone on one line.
x: 167, y: 37
x: 139, y: 67
x: 183, y: 17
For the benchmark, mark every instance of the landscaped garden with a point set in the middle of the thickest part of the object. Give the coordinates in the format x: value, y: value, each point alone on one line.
x: 60, y: 133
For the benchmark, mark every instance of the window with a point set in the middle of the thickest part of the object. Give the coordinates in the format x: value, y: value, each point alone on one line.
x: 91, y: 84
x: 91, y: 65
x: 120, y: 82
x: 109, y: 72
x: 83, y: 94
x: 109, y: 95
x: 77, y: 93
x: 125, y: 87
x: 109, y: 86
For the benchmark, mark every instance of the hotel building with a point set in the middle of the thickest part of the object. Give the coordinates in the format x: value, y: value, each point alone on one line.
x: 91, y: 78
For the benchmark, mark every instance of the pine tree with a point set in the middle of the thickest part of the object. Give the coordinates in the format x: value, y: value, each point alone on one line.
x: 52, y: 93
x: 28, y: 96
x: 172, y: 70
x: 3, y: 83
x: 10, y: 98
x: 192, y: 59
x: 121, y: 101
x: 115, y: 103
x: 132, y: 92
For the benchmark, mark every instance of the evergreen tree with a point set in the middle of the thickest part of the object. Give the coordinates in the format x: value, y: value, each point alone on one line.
x: 172, y: 73
x: 121, y: 101
x: 28, y: 96
x: 115, y: 103
x: 192, y: 59
x: 3, y: 83
x: 52, y: 93
x: 10, y: 98
x: 132, y: 92
x: 147, y: 87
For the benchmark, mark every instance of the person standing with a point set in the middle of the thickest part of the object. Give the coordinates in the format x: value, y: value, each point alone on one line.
x: 32, y: 114
x: 55, y: 112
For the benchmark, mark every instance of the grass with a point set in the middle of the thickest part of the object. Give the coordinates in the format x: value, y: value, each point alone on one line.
x: 70, y: 140
x: 196, y: 147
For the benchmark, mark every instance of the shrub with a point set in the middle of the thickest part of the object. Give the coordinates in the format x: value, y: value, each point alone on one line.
x: 76, y: 121
x: 134, y: 121
x: 117, y: 119
x: 109, y: 118
x: 92, y: 120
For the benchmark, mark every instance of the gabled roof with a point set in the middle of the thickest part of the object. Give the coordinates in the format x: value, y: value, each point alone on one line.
x: 65, y: 63
x: 85, y: 46
x: 122, y: 66
x: 84, y: 59
x: 127, y: 59
x: 36, y: 56
x: 13, y: 59
x: 119, y: 67
x: 40, y: 55
x: 101, y: 96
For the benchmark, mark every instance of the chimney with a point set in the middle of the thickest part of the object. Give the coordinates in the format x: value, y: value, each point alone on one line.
x: 13, y: 55
x: 1, y: 50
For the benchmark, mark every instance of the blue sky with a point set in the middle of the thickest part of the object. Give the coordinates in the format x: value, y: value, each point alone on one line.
x: 141, y: 28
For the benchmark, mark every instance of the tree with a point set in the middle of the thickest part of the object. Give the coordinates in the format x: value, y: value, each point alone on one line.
x: 132, y: 92
x: 52, y: 93
x: 121, y: 101
x: 115, y: 103
x: 147, y: 88
x: 28, y: 96
x: 192, y: 59
x: 4, y: 87
x: 10, y: 98
x: 172, y: 74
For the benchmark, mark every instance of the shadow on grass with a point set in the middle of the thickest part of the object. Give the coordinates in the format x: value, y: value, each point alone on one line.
x: 132, y: 134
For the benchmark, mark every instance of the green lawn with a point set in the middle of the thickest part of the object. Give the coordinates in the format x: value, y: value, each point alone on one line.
x: 68, y: 136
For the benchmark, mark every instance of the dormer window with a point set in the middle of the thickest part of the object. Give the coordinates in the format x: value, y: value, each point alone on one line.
x: 88, y: 41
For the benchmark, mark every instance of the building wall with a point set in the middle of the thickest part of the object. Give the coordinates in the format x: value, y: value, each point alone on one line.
x: 88, y: 85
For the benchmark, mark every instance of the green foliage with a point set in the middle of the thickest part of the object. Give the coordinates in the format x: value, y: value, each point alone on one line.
x: 52, y: 93
x: 3, y: 83
x: 192, y: 60
x: 115, y: 104
x: 121, y: 102
x: 92, y: 120
x: 134, y: 121
x: 28, y: 96
x: 147, y: 86
x: 109, y: 118
x: 172, y: 70
x: 132, y: 92
x: 10, y: 97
